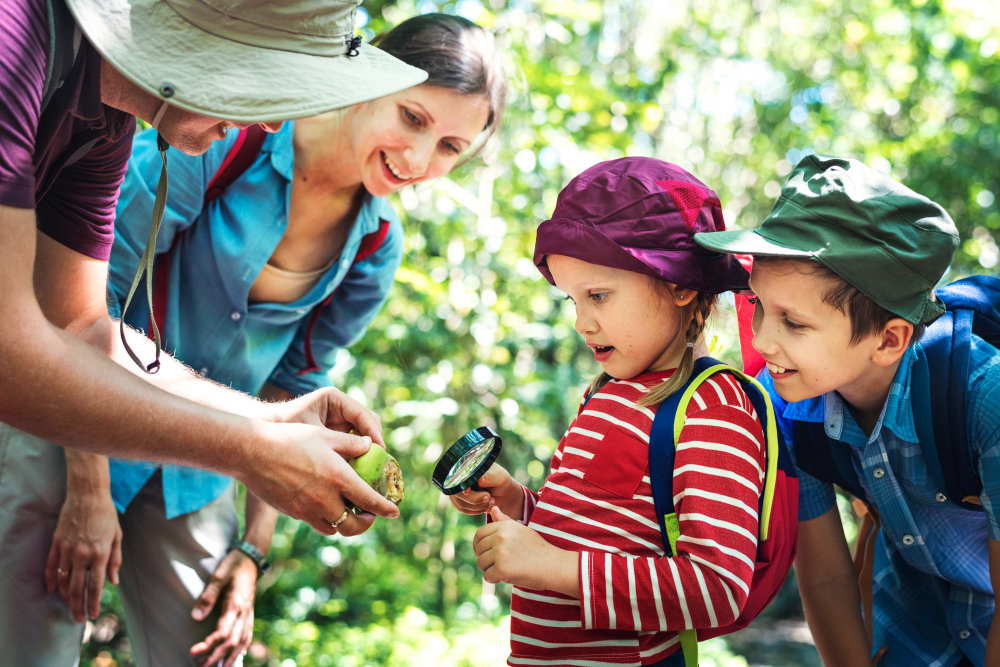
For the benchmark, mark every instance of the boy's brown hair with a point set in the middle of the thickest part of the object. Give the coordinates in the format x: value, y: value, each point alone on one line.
x: 867, y: 317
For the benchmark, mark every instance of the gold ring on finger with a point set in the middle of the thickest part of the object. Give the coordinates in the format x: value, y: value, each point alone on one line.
x: 342, y: 519
x: 61, y: 572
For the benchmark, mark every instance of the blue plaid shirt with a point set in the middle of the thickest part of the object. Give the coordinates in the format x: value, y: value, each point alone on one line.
x: 933, y: 602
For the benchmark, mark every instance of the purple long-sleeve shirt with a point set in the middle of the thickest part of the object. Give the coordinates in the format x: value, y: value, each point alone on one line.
x: 75, y: 202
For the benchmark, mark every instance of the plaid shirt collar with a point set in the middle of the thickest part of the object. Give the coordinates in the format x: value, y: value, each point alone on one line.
x: 897, y: 414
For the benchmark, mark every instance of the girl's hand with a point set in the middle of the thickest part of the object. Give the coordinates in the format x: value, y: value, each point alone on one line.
x: 499, y: 489
x: 513, y: 553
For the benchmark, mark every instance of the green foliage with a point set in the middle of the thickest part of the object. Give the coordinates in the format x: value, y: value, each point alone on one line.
x: 735, y: 92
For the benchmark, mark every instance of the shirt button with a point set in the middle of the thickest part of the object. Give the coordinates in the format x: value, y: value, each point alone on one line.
x: 878, y: 473
x: 235, y: 315
x: 908, y: 540
x: 940, y: 497
x: 963, y: 634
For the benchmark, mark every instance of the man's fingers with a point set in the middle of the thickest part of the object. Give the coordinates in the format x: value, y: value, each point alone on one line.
x: 343, y: 408
x: 77, y: 581
x: 94, y: 587
x: 115, y: 561
x: 355, y: 524
x: 51, y: 567
x: 232, y: 627
x: 350, y: 446
x: 65, y: 570
x: 207, y: 599
x: 358, y: 492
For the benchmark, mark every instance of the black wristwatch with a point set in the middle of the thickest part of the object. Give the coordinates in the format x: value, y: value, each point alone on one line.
x: 254, y: 554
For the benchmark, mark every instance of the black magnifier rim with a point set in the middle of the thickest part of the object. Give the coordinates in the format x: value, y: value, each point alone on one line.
x: 462, y: 447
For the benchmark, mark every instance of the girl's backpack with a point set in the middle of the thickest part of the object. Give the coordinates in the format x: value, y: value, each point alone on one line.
x: 778, y: 507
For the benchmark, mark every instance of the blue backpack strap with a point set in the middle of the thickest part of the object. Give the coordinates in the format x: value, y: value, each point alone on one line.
x: 973, y: 308
x: 824, y: 458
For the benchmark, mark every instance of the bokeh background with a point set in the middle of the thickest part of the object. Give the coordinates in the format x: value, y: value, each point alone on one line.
x: 734, y: 91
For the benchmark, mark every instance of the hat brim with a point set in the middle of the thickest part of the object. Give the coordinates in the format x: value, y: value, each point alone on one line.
x: 151, y: 45
x: 747, y: 242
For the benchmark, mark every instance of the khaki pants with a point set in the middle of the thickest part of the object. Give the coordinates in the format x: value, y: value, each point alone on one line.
x: 165, y: 567
x: 166, y: 564
x: 36, y: 627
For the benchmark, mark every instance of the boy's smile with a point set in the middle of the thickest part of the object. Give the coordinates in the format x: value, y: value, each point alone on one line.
x: 806, y: 342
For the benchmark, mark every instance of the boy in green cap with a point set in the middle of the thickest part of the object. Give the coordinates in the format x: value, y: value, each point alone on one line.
x: 844, y: 271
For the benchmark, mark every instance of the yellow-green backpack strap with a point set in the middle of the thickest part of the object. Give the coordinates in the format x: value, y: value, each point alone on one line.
x: 688, y: 638
x: 770, y: 437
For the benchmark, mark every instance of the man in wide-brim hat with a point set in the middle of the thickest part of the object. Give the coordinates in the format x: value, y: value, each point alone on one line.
x: 73, y: 74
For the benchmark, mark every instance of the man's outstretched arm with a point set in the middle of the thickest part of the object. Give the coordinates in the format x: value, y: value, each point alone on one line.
x: 57, y: 387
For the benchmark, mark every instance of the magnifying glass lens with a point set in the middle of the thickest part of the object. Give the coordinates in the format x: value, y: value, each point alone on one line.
x: 467, y: 460
x: 467, y: 465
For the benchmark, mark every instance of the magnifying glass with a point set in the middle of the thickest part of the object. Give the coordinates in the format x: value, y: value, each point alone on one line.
x: 467, y: 460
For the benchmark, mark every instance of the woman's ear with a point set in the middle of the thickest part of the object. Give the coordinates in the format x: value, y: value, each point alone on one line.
x: 896, y: 337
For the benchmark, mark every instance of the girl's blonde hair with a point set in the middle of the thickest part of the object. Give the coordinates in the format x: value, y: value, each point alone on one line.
x: 703, y: 304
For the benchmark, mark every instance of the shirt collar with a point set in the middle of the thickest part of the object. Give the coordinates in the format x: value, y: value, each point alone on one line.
x: 897, y: 414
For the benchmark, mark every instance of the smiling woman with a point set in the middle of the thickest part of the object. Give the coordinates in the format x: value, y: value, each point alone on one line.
x: 264, y: 274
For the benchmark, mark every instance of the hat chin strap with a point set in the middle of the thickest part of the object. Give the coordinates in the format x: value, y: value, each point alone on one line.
x: 159, y: 115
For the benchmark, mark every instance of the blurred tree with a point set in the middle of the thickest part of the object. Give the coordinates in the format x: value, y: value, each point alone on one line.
x: 735, y: 92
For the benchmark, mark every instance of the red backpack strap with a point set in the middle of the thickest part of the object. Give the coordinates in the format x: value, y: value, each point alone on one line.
x: 369, y: 244
x: 240, y: 157
x: 237, y: 161
x: 753, y: 362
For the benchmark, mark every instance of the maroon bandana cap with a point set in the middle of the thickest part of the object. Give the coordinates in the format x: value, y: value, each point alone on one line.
x: 641, y: 215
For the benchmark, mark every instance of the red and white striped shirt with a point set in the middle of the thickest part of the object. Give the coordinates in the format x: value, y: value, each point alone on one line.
x: 598, y: 501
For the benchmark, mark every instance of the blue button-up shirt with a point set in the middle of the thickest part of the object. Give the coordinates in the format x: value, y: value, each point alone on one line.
x: 933, y: 602
x: 210, y: 325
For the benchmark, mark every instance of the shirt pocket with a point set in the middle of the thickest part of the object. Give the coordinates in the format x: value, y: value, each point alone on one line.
x: 619, y: 464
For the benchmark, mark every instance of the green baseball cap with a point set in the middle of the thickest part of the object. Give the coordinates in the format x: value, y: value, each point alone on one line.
x: 872, y: 231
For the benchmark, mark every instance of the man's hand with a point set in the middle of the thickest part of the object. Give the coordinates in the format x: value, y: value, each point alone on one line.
x: 331, y: 408
x: 86, y: 546
x: 508, y: 551
x: 234, y: 584
x: 498, y: 489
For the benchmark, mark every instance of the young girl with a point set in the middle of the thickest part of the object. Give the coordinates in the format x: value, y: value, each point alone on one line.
x: 592, y: 585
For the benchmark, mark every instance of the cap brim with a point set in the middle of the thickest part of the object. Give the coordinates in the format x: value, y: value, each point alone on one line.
x: 747, y: 242
x: 150, y: 44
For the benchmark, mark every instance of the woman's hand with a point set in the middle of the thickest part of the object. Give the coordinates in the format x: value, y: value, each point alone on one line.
x: 87, y: 544
x: 508, y: 551
x: 499, y: 489
x: 235, y: 583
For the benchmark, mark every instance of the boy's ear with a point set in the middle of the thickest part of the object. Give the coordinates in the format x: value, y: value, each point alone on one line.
x: 896, y: 337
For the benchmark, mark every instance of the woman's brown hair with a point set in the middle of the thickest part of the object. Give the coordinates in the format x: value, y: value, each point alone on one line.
x: 457, y: 55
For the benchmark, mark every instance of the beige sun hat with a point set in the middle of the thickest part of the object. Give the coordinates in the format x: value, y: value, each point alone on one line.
x: 243, y: 60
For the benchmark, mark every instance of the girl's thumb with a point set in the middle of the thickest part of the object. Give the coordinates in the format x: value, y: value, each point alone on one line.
x: 498, y: 515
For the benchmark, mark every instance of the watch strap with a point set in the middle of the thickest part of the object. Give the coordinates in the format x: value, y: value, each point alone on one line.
x: 254, y: 554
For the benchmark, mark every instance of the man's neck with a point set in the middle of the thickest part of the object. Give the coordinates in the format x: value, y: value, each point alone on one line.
x: 120, y: 93
x: 867, y: 395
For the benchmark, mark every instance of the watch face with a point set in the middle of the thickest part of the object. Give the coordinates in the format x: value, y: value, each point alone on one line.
x: 467, y: 460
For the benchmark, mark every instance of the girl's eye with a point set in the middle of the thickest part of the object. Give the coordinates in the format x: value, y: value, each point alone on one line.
x: 793, y: 326
x: 451, y: 148
x: 599, y: 296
